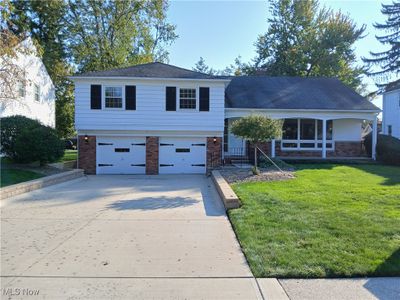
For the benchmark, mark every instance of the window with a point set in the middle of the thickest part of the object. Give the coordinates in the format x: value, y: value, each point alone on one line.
x: 187, y: 98
x: 113, y: 96
x: 329, y: 129
x: 21, y: 88
x: 305, y: 134
x: 121, y: 149
x: 307, y: 129
x: 37, y: 93
x: 290, y: 129
x: 389, y: 129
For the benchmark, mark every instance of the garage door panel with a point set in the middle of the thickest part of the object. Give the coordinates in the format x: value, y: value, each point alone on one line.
x: 121, y: 155
x: 182, y: 155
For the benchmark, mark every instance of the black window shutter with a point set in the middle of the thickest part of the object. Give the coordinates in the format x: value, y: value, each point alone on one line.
x: 130, y: 97
x: 170, y: 94
x: 204, y: 99
x: 95, y: 96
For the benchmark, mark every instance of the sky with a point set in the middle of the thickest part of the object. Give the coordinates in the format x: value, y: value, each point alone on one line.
x: 220, y: 31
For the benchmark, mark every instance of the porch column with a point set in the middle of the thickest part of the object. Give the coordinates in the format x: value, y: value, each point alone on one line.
x: 374, y: 137
x: 324, y: 138
x: 273, y: 148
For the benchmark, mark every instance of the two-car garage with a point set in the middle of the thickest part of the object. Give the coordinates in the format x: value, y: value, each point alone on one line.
x: 127, y: 155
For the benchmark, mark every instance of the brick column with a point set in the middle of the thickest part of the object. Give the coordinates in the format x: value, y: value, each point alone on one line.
x: 152, y: 155
x: 214, y: 152
x: 87, y: 154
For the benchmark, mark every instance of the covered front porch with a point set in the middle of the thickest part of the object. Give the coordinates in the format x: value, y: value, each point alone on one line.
x: 306, y: 134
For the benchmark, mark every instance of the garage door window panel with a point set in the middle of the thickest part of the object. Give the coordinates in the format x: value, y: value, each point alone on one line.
x: 187, y: 98
x: 113, y: 97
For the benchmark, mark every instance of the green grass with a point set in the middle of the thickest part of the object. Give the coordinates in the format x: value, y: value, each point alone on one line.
x: 13, y: 176
x: 330, y: 221
x: 69, y: 155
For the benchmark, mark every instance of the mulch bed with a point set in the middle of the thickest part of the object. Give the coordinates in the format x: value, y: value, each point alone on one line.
x: 234, y: 175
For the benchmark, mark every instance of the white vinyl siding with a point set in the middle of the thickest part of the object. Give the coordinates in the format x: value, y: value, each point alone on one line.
x: 150, y: 113
x: 391, y: 113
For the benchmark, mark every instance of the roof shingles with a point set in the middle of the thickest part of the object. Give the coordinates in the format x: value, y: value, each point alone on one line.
x: 263, y: 92
x: 150, y: 70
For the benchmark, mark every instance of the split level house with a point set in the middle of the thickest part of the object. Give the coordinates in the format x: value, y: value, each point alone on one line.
x: 34, y: 95
x: 161, y: 119
x: 391, y: 110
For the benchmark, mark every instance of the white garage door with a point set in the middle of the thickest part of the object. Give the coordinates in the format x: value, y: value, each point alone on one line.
x: 182, y: 155
x: 121, y: 155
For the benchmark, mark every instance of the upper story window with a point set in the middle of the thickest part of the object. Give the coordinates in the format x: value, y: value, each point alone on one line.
x: 187, y: 98
x: 21, y: 88
x: 113, y: 97
x: 37, y: 92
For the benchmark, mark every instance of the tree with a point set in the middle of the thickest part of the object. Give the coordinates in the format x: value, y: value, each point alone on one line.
x: 44, y: 21
x: 202, y: 67
x: 257, y: 129
x: 110, y: 34
x: 387, y: 61
x: 304, y: 40
x: 236, y: 69
x: 11, y: 46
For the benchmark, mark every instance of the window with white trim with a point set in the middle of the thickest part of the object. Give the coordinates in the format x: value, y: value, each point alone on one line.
x: 187, y: 98
x: 37, y: 92
x: 305, y: 134
x: 21, y: 88
x: 113, y: 97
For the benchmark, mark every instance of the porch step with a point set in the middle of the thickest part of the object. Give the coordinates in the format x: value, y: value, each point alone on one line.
x: 238, y: 161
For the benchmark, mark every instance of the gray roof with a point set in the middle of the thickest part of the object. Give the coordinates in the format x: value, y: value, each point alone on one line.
x: 395, y: 85
x: 150, y: 70
x: 265, y: 92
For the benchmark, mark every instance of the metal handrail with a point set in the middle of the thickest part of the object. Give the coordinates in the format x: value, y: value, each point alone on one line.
x: 269, y: 159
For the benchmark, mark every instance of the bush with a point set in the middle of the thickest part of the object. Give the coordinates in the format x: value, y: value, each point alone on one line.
x: 11, y: 128
x: 387, y: 148
x: 25, y: 141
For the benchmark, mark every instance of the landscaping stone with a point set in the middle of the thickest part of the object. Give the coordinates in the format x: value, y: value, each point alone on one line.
x: 233, y: 174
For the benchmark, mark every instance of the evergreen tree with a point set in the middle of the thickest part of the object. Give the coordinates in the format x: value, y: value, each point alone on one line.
x: 387, y: 61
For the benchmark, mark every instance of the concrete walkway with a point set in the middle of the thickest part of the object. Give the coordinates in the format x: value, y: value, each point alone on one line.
x: 103, y: 237
x: 342, y: 289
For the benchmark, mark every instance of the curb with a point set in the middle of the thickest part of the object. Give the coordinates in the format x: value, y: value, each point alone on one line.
x: 28, y: 186
x: 228, y: 196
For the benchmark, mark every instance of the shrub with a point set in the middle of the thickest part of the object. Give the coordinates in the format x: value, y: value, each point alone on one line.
x: 38, y: 144
x: 387, y: 148
x: 11, y: 128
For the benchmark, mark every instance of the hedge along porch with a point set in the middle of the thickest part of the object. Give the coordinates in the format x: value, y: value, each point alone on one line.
x: 314, y: 134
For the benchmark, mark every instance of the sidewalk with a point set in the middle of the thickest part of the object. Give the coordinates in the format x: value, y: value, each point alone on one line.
x: 383, y: 288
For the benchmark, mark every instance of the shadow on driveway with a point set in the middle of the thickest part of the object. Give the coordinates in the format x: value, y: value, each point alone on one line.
x: 152, y: 203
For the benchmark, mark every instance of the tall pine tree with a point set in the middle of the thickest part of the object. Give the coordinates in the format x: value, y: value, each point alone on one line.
x: 387, y: 61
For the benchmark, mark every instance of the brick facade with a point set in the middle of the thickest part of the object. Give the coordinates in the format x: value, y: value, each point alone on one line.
x: 87, y: 154
x: 214, y: 152
x: 342, y: 149
x: 152, y: 155
x: 347, y: 149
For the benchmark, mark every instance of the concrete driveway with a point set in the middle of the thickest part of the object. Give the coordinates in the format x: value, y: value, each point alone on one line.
x: 104, y: 237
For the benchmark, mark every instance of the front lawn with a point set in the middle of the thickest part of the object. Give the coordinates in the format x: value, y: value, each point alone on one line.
x: 69, y: 155
x: 330, y: 221
x: 13, y: 176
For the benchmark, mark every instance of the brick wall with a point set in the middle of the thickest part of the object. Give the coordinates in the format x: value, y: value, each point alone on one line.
x: 342, y: 149
x: 347, y: 149
x: 87, y: 154
x: 152, y: 155
x: 214, y: 152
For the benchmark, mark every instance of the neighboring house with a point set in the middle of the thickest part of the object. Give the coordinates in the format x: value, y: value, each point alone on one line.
x: 36, y: 95
x: 161, y: 119
x: 391, y: 110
